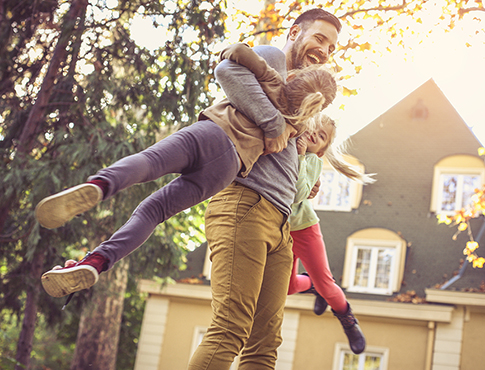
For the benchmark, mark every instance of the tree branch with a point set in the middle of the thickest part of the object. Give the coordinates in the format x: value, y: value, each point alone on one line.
x: 377, y: 8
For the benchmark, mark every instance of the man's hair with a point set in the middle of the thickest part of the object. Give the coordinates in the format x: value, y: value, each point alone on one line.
x: 316, y: 14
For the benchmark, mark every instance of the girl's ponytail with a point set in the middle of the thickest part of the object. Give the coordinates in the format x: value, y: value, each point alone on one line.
x: 307, y: 92
x: 334, y: 156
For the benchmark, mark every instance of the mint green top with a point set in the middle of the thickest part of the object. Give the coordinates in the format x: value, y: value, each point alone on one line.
x: 302, y: 213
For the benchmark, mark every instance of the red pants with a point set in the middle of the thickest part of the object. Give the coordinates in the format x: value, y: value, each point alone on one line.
x: 308, y: 246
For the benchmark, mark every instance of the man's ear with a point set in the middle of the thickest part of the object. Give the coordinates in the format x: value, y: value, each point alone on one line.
x: 294, y: 32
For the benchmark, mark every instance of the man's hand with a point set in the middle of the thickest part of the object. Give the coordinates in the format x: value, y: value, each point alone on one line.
x: 279, y: 143
x: 315, y: 189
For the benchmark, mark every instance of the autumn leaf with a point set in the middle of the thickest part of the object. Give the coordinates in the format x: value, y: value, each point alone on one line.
x: 479, y: 262
x: 472, y: 246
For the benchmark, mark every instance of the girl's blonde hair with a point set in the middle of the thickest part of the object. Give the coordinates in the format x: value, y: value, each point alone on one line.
x: 334, y: 153
x: 307, y: 92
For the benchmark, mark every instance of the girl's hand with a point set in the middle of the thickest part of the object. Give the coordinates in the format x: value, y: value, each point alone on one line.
x: 301, y: 145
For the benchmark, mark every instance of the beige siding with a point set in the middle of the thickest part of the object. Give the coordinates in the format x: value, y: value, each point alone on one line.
x: 448, y: 343
x: 152, y: 333
x: 473, y: 349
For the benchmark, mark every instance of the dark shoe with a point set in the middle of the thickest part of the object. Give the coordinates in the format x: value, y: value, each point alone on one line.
x: 320, y: 303
x: 60, y: 281
x: 56, y: 210
x: 352, y: 330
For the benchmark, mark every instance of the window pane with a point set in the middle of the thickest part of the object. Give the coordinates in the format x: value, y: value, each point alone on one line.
x: 383, y: 271
x: 470, y: 183
x: 372, y: 362
x: 450, y: 183
x: 343, y: 192
x: 325, y: 192
x: 351, y: 361
x: 362, y: 267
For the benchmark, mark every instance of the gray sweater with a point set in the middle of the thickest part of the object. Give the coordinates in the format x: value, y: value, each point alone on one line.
x: 273, y: 176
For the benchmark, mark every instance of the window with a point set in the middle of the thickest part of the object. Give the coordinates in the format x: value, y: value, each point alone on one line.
x: 334, y: 193
x: 375, y: 264
x: 337, y: 192
x: 456, y: 191
x: 374, y: 358
x: 455, y: 180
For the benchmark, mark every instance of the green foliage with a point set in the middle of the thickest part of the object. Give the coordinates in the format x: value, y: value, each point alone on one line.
x: 108, y: 98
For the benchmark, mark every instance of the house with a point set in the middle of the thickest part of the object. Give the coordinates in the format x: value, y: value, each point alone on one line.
x: 419, y: 305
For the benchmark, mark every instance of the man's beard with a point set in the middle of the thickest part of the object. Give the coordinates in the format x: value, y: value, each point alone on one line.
x: 297, y: 55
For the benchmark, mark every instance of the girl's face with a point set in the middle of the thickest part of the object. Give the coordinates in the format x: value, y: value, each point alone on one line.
x: 319, y: 140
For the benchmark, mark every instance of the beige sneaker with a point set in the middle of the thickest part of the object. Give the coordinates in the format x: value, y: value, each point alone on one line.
x: 56, y: 210
x: 59, y: 281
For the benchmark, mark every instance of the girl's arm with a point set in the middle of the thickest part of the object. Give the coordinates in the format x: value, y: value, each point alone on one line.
x: 246, y: 95
x: 242, y: 54
x: 309, y: 173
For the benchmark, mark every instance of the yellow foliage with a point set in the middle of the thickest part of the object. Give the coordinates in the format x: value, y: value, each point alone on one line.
x: 481, y: 151
x: 444, y: 219
x: 479, y: 262
x: 472, y: 246
x: 463, y: 226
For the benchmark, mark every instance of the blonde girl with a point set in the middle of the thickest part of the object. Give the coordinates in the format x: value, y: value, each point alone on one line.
x: 308, y: 244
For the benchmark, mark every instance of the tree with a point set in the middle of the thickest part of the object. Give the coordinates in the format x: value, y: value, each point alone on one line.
x: 78, y: 94
x: 368, y: 27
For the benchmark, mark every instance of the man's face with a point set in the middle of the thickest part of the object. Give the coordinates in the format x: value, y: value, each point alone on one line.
x: 314, y: 45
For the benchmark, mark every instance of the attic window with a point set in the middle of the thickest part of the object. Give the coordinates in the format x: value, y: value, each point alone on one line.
x: 419, y: 112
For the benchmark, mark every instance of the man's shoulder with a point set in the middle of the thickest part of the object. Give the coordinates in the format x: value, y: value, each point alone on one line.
x: 273, y: 56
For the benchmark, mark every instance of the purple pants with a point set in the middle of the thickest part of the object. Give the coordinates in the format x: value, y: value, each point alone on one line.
x: 207, y: 162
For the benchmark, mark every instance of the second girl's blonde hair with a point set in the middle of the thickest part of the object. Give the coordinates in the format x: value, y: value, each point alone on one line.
x: 307, y: 92
x: 334, y: 154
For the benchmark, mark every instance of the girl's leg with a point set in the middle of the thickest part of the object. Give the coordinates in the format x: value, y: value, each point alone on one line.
x: 183, y: 152
x: 309, y: 246
x: 212, y: 166
x: 298, y: 283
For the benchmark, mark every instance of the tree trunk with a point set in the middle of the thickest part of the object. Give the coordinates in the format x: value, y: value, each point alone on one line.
x: 99, y: 327
x: 26, y: 140
x: 24, y: 345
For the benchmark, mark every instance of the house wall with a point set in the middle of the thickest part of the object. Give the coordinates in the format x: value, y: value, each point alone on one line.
x: 318, y: 336
x: 183, y: 317
x: 473, y: 349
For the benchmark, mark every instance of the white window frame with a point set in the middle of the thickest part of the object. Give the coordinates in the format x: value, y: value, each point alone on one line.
x: 460, y: 173
x: 342, y: 348
x: 353, y: 245
x: 199, y: 332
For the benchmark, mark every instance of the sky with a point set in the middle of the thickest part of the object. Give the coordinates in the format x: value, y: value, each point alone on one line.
x: 386, y: 78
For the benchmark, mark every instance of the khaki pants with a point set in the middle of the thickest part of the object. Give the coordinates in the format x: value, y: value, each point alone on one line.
x: 251, y: 264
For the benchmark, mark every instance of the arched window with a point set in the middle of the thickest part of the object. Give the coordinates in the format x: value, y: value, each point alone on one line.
x: 454, y: 182
x: 374, y: 261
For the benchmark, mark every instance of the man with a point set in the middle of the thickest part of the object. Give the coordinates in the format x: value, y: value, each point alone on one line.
x: 246, y: 224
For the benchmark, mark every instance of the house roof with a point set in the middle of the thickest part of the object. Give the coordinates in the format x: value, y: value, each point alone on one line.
x: 402, y: 146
